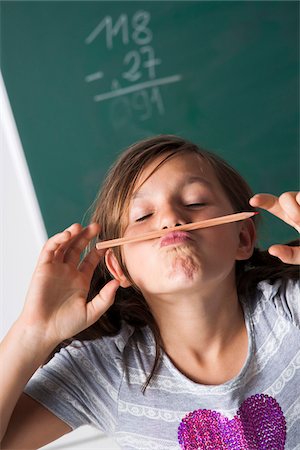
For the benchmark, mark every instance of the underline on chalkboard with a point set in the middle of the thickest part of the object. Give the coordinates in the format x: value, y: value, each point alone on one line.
x: 137, y: 87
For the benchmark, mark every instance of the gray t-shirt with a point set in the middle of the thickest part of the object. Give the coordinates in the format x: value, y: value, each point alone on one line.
x: 99, y: 383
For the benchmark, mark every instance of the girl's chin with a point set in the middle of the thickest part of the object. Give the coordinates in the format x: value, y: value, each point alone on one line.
x: 183, y: 268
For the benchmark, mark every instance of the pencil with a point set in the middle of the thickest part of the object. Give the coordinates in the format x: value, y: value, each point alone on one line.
x: 186, y: 227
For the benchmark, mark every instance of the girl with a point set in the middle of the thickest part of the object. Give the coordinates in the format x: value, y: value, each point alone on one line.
x: 195, y: 342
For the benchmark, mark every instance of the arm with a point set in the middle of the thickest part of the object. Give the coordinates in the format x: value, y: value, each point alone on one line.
x: 287, y: 208
x: 55, y: 309
x: 21, y: 355
x: 37, y: 426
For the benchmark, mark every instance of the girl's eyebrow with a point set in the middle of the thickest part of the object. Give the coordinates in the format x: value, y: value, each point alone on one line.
x: 197, y: 179
x: 187, y: 181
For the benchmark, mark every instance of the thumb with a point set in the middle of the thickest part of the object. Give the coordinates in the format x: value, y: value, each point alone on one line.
x: 287, y: 254
x: 102, y: 301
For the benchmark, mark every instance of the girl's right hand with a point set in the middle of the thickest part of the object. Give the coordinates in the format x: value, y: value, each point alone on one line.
x: 287, y: 208
x: 56, y: 305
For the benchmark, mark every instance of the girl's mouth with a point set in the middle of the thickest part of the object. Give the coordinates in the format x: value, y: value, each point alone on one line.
x: 175, y: 237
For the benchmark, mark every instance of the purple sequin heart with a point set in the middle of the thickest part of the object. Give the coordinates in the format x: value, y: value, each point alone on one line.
x: 258, y: 425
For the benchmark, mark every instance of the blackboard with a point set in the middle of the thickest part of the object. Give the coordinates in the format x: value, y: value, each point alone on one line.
x: 86, y: 79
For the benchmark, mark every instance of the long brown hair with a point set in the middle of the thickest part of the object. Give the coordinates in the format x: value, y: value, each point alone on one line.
x: 110, y: 211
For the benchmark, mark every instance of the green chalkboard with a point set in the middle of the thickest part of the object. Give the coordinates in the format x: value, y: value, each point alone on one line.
x: 86, y: 79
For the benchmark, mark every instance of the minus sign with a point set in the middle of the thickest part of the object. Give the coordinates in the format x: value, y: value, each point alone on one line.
x: 94, y: 76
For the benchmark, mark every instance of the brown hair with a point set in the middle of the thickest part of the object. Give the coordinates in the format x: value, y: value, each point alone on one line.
x: 110, y: 211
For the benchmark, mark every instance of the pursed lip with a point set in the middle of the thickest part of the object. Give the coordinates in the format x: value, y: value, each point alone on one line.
x: 174, y: 237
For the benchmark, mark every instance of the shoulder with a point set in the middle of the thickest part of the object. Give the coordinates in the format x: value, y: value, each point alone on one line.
x: 111, y: 347
x: 287, y: 290
x: 115, y: 350
x: 84, y: 361
x: 282, y: 296
x: 81, y: 383
x: 127, y: 354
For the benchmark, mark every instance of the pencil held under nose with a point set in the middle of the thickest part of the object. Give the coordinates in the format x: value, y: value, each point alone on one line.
x: 186, y: 227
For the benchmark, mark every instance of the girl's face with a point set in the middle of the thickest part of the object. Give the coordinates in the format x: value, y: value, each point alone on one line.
x: 183, y: 189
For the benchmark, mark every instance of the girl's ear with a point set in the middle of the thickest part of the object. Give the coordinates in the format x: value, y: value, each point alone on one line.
x: 247, y: 238
x: 115, y: 269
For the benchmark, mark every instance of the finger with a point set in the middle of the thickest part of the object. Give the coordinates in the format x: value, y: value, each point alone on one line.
x: 78, y: 244
x: 285, y: 207
x: 74, y: 230
x: 52, y: 245
x: 287, y: 254
x: 101, y: 302
x: 90, y: 262
x: 268, y: 202
x: 290, y: 203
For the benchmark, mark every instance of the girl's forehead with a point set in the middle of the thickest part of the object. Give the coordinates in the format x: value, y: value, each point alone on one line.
x: 182, y: 164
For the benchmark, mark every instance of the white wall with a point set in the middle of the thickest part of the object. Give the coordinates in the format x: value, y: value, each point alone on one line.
x: 23, y: 232
x: 22, y: 236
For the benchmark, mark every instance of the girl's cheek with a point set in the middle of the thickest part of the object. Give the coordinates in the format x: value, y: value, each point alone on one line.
x: 137, y: 228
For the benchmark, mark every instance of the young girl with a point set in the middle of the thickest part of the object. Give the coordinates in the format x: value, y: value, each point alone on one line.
x: 195, y: 342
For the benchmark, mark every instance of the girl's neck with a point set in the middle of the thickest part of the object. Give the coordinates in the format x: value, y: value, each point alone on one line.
x: 204, y: 335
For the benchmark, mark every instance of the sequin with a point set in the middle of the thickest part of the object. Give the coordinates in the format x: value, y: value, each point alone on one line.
x: 258, y: 425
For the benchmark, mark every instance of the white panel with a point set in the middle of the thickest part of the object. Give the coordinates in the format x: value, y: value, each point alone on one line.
x: 22, y: 229
x: 22, y: 236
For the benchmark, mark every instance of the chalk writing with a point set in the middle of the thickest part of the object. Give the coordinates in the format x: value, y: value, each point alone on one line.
x: 127, y: 90
x: 141, y: 34
x: 111, y: 31
x: 93, y: 77
x: 135, y: 90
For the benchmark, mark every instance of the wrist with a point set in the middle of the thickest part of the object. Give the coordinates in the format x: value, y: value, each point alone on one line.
x: 32, y: 341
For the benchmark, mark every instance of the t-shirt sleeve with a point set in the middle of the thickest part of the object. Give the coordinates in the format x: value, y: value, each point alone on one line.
x: 81, y: 383
x: 285, y: 296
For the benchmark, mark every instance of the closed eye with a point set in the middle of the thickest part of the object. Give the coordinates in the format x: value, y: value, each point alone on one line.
x: 196, y: 205
x: 140, y: 219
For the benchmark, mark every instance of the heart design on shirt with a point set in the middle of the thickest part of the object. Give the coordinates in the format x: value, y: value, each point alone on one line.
x: 259, y: 424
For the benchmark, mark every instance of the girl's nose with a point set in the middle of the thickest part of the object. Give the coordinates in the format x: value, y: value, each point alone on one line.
x: 171, y: 217
x: 174, y: 225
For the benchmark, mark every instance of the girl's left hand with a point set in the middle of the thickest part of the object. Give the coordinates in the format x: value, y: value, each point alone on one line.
x: 287, y: 208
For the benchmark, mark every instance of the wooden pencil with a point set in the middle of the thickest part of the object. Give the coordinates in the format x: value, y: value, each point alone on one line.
x: 186, y: 227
